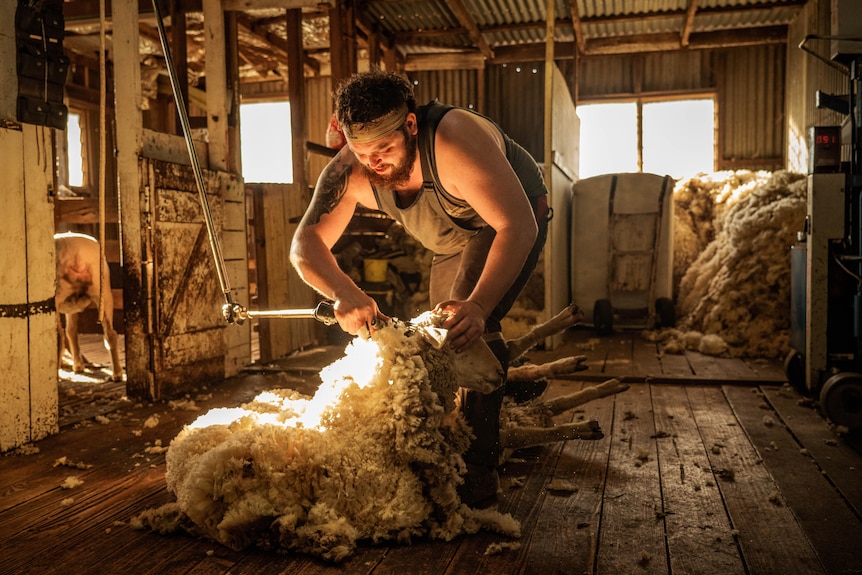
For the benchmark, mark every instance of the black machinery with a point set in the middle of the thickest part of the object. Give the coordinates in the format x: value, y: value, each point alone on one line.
x: 826, y: 263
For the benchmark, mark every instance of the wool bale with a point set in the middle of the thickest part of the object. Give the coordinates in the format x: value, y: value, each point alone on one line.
x: 732, y: 259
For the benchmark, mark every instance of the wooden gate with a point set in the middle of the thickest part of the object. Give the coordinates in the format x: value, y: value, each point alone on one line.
x: 186, y: 344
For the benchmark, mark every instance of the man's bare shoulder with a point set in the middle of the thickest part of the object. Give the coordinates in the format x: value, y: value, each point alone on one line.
x: 459, y: 128
x: 344, y: 178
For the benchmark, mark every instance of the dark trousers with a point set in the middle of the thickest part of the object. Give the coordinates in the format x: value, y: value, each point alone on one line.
x: 453, y: 277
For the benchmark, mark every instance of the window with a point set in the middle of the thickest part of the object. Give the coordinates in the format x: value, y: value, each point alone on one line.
x: 267, y: 153
x: 609, y: 139
x: 678, y: 137
x: 74, y: 151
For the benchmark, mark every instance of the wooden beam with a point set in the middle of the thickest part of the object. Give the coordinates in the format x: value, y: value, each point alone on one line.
x: 216, y: 90
x: 577, y: 29
x: 342, y: 40
x: 532, y: 53
x: 446, y: 61
x: 466, y: 20
x: 262, y: 4
x: 697, y: 41
x: 179, y: 53
x: 278, y: 44
x: 296, y: 87
x: 129, y: 126
x: 689, y: 22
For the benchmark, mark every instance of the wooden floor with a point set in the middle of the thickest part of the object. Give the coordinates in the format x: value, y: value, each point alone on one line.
x: 707, y: 467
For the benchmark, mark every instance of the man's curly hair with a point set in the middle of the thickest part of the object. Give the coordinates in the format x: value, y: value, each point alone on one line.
x: 368, y: 96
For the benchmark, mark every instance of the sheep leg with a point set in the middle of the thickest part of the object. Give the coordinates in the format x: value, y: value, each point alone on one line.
x: 522, y: 437
x: 109, y: 334
x: 72, y: 340
x: 571, y: 315
x: 562, y: 404
x: 562, y: 366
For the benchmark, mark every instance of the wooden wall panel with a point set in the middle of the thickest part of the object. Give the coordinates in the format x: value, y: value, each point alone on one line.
x: 278, y: 207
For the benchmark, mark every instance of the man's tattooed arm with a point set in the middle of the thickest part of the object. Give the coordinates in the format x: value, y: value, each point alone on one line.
x: 330, y: 190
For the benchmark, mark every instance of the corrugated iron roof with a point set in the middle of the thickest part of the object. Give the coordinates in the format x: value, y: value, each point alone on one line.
x: 486, y: 27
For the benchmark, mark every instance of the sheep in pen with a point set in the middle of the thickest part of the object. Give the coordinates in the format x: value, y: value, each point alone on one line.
x: 375, y: 455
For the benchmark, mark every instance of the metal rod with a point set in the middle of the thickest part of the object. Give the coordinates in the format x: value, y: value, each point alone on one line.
x: 215, y: 247
x: 283, y: 313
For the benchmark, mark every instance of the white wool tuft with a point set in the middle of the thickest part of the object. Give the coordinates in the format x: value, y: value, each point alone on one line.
x: 375, y: 455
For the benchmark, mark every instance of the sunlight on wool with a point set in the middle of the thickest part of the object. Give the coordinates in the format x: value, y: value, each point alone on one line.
x: 360, y: 364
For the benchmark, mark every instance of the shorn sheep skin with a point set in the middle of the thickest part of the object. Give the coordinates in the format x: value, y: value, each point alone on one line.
x: 375, y: 455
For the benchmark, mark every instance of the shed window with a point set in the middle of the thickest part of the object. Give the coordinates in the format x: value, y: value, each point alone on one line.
x: 74, y: 151
x: 676, y: 137
x: 265, y: 133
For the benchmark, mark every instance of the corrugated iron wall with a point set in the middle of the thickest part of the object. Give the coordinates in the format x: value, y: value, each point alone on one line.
x: 751, y: 108
x: 455, y: 87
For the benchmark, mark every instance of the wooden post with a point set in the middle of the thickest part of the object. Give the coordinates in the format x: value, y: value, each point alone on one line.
x: 224, y: 150
x: 28, y: 321
x: 179, y: 52
x: 129, y: 125
x: 342, y: 40
x: 296, y: 88
x: 216, y: 73
x: 550, y: 252
x: 8, y: 62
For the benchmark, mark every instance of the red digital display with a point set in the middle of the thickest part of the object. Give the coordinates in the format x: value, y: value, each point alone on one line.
x: 825, y: 139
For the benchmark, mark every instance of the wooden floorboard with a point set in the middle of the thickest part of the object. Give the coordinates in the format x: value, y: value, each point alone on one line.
x: 802, y: 486
x: 768, y: 535
x: 631, y: 532
x: 700, y: 537
x: 708, y: 466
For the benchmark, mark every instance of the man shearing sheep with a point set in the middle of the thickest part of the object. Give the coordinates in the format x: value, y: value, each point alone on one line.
x: 463, y: 189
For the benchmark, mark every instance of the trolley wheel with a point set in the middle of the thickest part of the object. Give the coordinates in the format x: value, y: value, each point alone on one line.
x: 841, y: 400
x: 794, y: 369
x: 603, y: 317
x: 665, y: 312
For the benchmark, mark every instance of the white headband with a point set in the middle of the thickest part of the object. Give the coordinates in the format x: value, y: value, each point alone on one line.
x: 362, y: 133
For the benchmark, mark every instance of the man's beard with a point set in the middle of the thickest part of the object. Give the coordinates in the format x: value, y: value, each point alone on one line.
x: 400, y: 173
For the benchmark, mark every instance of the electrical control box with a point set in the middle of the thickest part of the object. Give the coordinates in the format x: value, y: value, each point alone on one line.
x: 824, y: 150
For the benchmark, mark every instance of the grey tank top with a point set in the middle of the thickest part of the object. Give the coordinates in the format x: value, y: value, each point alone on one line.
x: 439, y: 221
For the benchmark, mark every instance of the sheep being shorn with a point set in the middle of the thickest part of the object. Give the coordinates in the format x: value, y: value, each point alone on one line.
x: 527, y: 419
x: 375, y: 455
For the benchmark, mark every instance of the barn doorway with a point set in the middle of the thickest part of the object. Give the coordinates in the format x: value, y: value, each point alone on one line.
x: 90, y: 392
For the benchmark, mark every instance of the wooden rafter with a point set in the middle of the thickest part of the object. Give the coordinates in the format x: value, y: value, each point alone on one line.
x: 577, y: 30
x: 278, y: 44
x: 691, y: 10
x: 466, y: 20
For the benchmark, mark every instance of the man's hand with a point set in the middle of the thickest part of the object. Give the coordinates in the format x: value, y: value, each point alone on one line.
x: 466, y: 322
x: 357, y: 311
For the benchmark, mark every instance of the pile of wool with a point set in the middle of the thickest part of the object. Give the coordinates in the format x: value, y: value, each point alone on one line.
x: 699, y: 206
x: 733, y: 233
x: 375, y: 454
